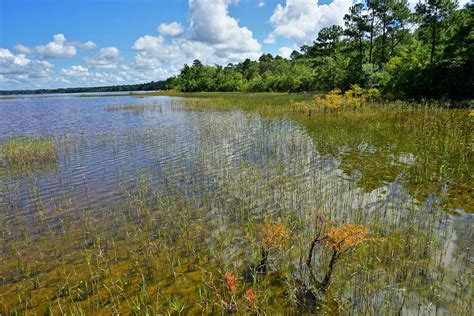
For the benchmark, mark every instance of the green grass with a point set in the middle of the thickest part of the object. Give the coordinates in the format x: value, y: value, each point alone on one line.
x: 27, y: 151
x: 7, y: 98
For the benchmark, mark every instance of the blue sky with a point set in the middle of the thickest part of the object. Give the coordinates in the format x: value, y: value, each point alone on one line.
x: 67, y: 43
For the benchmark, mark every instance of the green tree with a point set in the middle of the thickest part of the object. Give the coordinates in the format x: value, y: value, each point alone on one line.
x: 431, y: 15
x: 356, y: 26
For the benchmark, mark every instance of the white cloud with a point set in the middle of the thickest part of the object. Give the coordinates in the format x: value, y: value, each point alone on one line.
x: 210, y: 23
x: 17, y: 68
x: 153, y: 52
x: 58, y: 48
x: 285, y: 51
x: 270, y: 39
x: 107, y: 57
x: 261, y: 4
x: 22, y: 49
x: 412, y: 3
x: 173, y: 29
x: 213, y: 37
x: 301, y: 20
x: 74, y: 71
x: 87, y: 45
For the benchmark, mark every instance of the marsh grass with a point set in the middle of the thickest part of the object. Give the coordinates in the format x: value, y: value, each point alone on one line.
x: 126, y: 107
x: 374, y: 140
x: 28, y: 151
x: 135, y: 108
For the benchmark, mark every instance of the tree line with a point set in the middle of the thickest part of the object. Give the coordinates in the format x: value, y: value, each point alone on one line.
x: 425, y: 53
x: 149, y: 86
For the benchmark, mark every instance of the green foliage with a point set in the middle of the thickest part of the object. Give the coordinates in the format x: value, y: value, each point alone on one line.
x: 376, y: 50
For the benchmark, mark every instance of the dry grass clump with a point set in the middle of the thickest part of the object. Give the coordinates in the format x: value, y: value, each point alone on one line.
x: 26, y: 151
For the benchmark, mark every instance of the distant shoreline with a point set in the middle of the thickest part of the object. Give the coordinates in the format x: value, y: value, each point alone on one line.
x: 149, y: 86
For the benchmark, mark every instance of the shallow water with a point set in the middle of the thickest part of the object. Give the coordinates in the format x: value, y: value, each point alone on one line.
x: 217, y: 160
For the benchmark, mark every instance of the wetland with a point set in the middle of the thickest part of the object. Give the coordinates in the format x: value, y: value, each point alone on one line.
x: 211, y: 203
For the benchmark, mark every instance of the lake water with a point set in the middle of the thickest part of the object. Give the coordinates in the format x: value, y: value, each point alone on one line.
x: 236, y: 168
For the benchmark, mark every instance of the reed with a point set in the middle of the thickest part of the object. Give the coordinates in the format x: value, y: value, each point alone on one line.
x: 126, y: 107
x: 27, y: 151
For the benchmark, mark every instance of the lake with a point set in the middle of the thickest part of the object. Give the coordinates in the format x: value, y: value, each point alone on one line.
x: 151, y: 201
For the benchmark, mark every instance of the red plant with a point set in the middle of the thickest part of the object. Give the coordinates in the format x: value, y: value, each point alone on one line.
x: 231, y: 282
x: 250, y: 296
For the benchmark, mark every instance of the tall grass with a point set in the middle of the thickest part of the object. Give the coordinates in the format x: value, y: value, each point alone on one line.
x: 428, y: 146
x: 27, y: 151
x: 126, y: 107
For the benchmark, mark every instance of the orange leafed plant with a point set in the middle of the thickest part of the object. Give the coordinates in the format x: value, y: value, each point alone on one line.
x: 346, y: 236
x: 274, y: 235
x: 340, y: 239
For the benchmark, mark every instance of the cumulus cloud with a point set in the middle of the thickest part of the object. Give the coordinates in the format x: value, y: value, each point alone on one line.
x: 213, y: 37
x: 261, y: 4
x: 154, y: 51
x: 16, y: 68
x: 173, y: 29
x: 301, y: 20
x: 210, y: 23
x: 75, y: 71
x: 81, y: 76
x: 58, y: 48
x: 87, y: 45
x: 285, y: 51
x: 22, y: 49
x: 107, y: 57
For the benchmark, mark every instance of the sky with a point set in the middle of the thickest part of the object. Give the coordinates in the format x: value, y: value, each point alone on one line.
x: 78, y: 43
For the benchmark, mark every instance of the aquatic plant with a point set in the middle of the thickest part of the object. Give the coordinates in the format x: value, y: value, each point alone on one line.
x: 126, y: 107
x: 28, y: 151
x: 273, y: 236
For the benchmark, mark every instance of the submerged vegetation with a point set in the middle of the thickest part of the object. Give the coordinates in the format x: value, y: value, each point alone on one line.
x: 333, y: 199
